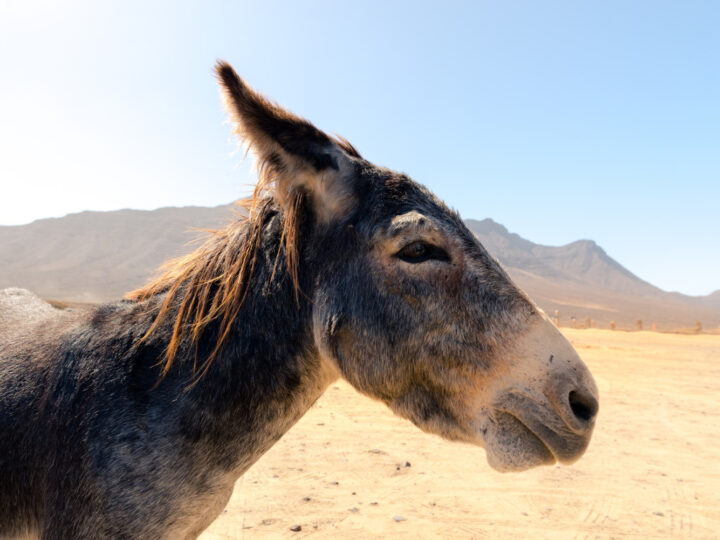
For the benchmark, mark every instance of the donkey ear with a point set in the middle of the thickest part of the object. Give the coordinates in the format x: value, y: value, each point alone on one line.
x: 292, y: 153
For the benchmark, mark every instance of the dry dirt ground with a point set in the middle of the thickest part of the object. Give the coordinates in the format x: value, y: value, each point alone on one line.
x: 350, y: 469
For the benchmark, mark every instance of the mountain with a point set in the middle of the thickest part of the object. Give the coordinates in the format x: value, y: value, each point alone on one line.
x: 582, y: 261
x: 713, y: 299
x: 581, y: 280
x: 98, y: 256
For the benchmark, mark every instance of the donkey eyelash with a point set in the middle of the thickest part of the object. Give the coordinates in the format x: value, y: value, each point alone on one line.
x: 419, y: 251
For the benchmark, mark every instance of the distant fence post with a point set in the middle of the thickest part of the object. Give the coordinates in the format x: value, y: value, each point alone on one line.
x: 574, y: 322
x: 588, y: 322
x: 612, y: 325
x: 698, y: 327
x: 639, y: 324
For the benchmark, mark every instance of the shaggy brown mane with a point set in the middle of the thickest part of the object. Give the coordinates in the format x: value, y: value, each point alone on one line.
x: 211, y: 283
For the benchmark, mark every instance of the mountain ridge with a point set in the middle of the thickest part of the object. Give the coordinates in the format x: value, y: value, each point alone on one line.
x: 98, y: 256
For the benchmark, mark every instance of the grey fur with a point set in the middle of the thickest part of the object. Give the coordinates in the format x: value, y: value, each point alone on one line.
x: 95, y: 444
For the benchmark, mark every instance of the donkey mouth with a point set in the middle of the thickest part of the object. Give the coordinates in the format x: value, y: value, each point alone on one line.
x: 512, y: 446
x: 529, y: 432
x: 524, y: 421
x: 526, y: 432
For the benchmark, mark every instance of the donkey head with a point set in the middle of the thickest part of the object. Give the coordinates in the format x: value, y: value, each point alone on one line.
x: 410, y: 308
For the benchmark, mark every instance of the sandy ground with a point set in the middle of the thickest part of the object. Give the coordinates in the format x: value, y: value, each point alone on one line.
x: 351, y: 469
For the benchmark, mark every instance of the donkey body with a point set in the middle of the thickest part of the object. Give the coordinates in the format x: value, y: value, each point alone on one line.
x: 135, y: 419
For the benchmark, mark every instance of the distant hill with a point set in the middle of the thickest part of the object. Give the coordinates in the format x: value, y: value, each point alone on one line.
x: 581, y: 280
x: 713, y: 299
x: 98, y: 256
x: 581, y: 262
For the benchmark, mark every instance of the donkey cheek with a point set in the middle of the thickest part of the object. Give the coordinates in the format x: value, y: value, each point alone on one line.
x: 360, y: 365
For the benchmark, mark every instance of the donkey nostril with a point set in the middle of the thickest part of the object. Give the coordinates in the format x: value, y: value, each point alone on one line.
x: 584, y: 407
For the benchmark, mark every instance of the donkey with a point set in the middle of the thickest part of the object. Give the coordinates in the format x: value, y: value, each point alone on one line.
x: 134, y: 419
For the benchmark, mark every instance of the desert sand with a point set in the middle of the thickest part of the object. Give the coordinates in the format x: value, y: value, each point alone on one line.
x: 350, y: 469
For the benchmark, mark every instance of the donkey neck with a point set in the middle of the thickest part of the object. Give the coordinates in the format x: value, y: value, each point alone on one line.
x: 266, y: 376
x: 241, y: 419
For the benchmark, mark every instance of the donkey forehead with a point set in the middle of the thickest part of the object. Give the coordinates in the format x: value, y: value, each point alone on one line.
x: 395, y: 205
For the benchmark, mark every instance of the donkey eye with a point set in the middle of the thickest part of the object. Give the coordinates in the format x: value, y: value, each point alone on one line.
x: 419, y: 251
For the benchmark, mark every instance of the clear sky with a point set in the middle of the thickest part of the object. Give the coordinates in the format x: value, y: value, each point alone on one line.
x: 560, y: 120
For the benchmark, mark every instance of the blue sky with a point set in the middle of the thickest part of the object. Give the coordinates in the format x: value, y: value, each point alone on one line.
x: 560, y: 120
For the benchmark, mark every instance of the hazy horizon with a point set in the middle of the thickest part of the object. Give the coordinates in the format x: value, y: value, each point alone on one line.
x: 560, y: 121
x: 475, y: 218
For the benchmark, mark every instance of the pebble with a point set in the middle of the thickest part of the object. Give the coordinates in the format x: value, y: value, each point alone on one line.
x: 296, y: 528
x: 399, y: 518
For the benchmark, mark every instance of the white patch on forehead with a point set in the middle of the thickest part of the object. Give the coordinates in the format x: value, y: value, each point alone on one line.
x: 410, y: 226
x: 412, y: 220
x: 408, y: 217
